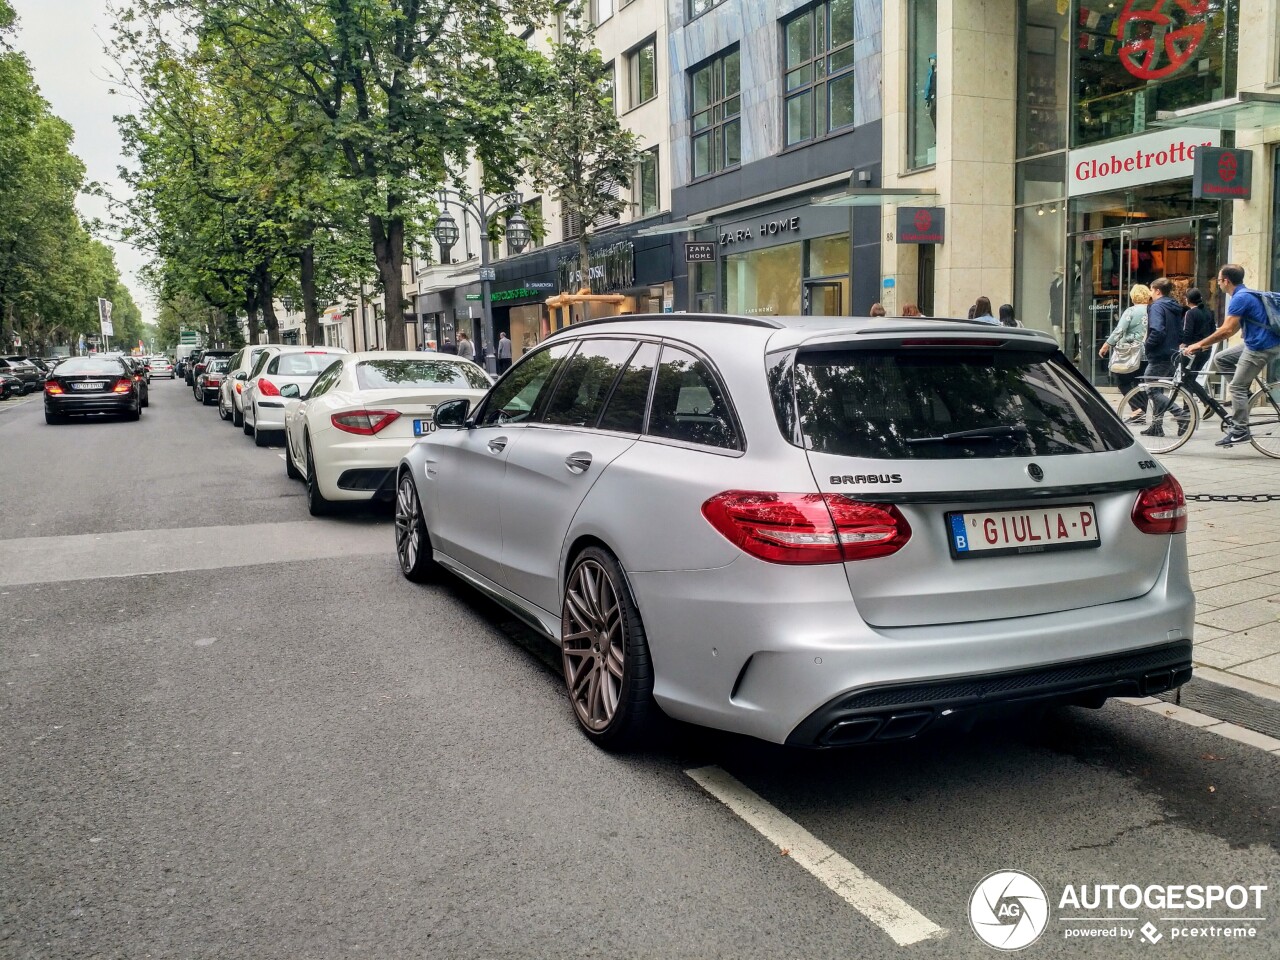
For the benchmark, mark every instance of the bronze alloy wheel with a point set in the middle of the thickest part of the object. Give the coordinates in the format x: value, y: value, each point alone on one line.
x: 604, y: 652
x: 413, y: 547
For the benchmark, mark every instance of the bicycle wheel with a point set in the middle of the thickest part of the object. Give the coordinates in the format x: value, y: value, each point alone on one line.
x: 1264, y: 420
x: 1169, y: 418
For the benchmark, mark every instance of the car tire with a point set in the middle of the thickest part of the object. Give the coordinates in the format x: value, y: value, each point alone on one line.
x: 595, y: 585
x: 135, y: 414
x: 146, y: 400
x: 222, y: 414
x: 316, y: 502
x: 413, y: 543
x: 291, y: 471
x: 261, y: 438
x: 246, y: 426
x: 237, y: 417
x: 53, y: 419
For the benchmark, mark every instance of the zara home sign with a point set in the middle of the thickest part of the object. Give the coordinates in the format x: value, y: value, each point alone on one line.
x: 768, y: 228
x: 1149, y: 158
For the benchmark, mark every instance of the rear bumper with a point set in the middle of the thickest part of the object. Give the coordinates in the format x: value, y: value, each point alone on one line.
x: 362, y: 468
x: 103, y: 403
x: 268, y: 415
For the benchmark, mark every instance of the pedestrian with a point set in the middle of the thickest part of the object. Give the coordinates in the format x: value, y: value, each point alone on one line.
x: 466, y: 349
x: 877, y: 310
x: 1246, y: 313
x: 449, y: 347
x: 1007, y: 319
x: 982, y: 312
x: 1161, y: 346
x: 504, y: 352
x: 911, y: 310
x: 1127, y: 362
x: 1197, y: 323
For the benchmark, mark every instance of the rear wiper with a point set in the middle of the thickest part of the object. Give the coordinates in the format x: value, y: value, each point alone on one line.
x: 982, y: 433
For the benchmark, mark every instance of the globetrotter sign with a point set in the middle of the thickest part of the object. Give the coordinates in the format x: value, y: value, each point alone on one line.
x: 1159, y: 37
x: 1150, y: 158
x: 1223, y: 174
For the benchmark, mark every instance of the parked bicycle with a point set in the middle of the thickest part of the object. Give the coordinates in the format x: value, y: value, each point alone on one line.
x: 1163, y: 412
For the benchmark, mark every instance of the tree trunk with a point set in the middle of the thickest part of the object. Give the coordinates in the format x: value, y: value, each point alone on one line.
x: 310, y: 306
x: 266, y: 299
x: 388, y: 251
x: 251, y: 311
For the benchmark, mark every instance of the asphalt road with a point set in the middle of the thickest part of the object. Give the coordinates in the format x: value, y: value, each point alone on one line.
x: 228, y: 730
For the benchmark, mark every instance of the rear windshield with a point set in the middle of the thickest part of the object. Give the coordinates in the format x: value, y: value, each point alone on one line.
x: 386, y: 374
x: 300, y: 364
x: 918, y: 403
x: 218, y: 366
x: 89, y: 365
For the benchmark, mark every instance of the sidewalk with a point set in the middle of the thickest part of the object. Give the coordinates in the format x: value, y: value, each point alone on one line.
x: 1234, y: 551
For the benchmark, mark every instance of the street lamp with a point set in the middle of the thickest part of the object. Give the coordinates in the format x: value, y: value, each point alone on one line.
x: 483, y: 209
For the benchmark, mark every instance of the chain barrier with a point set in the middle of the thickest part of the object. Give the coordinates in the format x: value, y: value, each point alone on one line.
x: 1234, y: 497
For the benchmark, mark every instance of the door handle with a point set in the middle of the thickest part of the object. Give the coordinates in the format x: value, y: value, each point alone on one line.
x: 497, y: 444
x: 578, y: 462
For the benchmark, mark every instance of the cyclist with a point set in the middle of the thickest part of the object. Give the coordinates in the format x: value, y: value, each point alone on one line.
x: 1261, y: 346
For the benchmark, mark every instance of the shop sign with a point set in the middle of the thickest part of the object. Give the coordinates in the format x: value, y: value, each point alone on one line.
x: 922, y: 225
x: 498, y: 296
x: 1155, y: 45
x: 767, y: 228
x: 612, y: 268
x: 699, y: 253
x: 1150, y: 158
x: 1223, y: 174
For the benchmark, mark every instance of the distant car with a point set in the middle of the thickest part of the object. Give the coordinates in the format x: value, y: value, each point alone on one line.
x: 161, y: 367
x: 233, y: 383
x: 26, y: 371
x: 209, y: 380
x: 140, y: 374
x: 93, y: 385
x: 194, y: 370
x: 362, y: 414
x: 261, y: 402
x: 10, y: 386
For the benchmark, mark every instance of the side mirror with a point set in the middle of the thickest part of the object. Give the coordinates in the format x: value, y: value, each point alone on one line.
x: 242, y: 375
x: 451, y: 415
x: 291, y: 391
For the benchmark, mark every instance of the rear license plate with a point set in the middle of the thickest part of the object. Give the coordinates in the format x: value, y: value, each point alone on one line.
x: 89, y: 385
x: 422, y: 427
x: 1037, y: 530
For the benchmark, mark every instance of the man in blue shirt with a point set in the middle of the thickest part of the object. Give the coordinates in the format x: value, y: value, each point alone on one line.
x: 1261, y: 346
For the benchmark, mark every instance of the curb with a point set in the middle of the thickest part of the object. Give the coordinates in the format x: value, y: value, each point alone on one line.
x: 1242, y: 703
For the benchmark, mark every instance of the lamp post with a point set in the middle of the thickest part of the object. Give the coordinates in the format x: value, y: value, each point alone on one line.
x: 483, y: 209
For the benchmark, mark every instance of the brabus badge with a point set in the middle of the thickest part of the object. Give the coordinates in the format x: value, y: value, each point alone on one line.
x: 1034, y: 472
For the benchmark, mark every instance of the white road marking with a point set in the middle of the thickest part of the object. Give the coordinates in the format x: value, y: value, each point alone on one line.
x: 886, y: 910
x: 280, y: 455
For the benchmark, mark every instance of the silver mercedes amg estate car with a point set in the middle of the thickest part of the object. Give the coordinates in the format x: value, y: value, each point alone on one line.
x: 815, y: 531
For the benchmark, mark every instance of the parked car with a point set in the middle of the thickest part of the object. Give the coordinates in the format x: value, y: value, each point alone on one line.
x: 40, y: 364
x: 205, y: 357
x: 813, y: 531
x: 209, y: 380
x: 261, y: 402
x: 93, y: 385
x: 10, y: 385
x: 139, y: 374
x: 161, y: 367
x: 347, y: 434
x: 188, y: 364
x: 242, y: 362
x: 24, y: 370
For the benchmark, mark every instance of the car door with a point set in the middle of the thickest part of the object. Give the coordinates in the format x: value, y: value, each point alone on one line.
x: 307, y: 415
x: 465, y: 468
x: 557, y: 461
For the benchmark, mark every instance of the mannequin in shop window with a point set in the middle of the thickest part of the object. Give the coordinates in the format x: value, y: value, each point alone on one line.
x: 931, y: 91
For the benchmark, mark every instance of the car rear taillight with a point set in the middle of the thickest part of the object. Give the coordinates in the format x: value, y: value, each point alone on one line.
x: 122, y: 386
x: 52, y: 388
x: 267, y: 388
x: 364, y: 422
x: 1162, y: 508
x: 807, y: 527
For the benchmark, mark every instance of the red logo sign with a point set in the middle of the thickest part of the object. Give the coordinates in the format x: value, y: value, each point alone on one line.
x: 1227, y: 167
x: 1154, y: 44
x: 924, y: 220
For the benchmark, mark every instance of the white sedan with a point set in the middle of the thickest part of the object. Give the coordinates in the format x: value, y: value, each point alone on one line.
x: 363, y: 413
x: 262, y: 403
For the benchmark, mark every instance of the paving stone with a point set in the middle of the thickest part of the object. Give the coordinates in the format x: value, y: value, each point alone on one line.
x: 1244, y: 645
x: 1242, y: 616
x: 1216, y: 576
x: 1270, y: 563
x: 1251, y: 737
x: 1237, y: 591
x: 1267, y: 670
x: 1209, y: 657
x: 1205, y: 633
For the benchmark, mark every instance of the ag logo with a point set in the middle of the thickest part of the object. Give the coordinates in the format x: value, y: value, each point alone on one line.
x: 924, y: 220
x: 1008, y: 910
x: 1156, y: 44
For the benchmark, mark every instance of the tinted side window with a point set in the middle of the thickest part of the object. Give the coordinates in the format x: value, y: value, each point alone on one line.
x: 688, y: 404
x: 582, y: 389
x: 326, y: 380
x: 625, y: 411
x: 257, y: 367
x: 516, y: 397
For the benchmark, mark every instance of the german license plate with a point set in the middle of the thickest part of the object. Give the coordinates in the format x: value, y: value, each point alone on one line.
x: 1032, y: 530
x: 422, y: 427
x: 89, y: 385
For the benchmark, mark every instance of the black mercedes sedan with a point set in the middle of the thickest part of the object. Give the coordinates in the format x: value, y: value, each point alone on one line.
x: 85, y: 385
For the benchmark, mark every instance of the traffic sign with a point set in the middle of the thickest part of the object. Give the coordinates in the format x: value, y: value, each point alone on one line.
x: 488, y: 273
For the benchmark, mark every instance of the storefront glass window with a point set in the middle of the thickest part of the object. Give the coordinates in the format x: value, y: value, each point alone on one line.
x: 1275, y: 227
x: 829, y: 256
x: 1043, y: 85
x: 704, y: 287
x: 764, y: 281
x: 922, y: 107
x: 1040, y: 294
x: 1135, y: 59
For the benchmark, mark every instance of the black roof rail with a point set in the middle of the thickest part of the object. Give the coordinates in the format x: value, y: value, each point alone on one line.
x: 703, y: 317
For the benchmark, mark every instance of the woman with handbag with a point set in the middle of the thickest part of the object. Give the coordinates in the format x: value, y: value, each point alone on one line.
x: 1125, y: 347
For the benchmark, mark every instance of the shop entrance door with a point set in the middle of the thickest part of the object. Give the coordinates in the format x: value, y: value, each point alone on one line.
x: 824, y: 298
x: 1108, y: 263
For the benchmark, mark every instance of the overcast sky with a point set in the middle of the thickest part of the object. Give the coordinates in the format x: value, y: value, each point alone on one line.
x: 64, y: 41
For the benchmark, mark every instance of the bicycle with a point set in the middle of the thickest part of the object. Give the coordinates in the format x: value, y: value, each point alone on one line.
x: 1163, y: 412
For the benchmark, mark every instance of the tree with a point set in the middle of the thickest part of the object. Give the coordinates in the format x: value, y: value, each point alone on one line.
x: 587, y: 158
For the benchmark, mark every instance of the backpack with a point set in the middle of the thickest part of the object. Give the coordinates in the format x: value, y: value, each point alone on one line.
x: 1271, y: 306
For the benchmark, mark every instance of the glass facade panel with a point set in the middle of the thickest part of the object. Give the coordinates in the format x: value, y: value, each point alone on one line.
x: 716, y: 104
x: 1044, y: 65
x: 1134, y: 60
x: 1040, y: 294
x: 1275, y: 226
x: 922, y: 106
x: 829, y: 256
x: 764, y: 282
x: 646, y: 184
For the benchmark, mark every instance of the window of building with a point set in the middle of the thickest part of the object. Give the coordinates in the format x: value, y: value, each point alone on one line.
x: 716, y: 101
x: 1040, y: 226
x: 642, y: 72
x: 698, y: 7
x: 818, y: 67
x: 1044, y: 61
x: 645, y: 184
x: 922, y: 107
x: 601, y: 10
x: 607, y: 84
